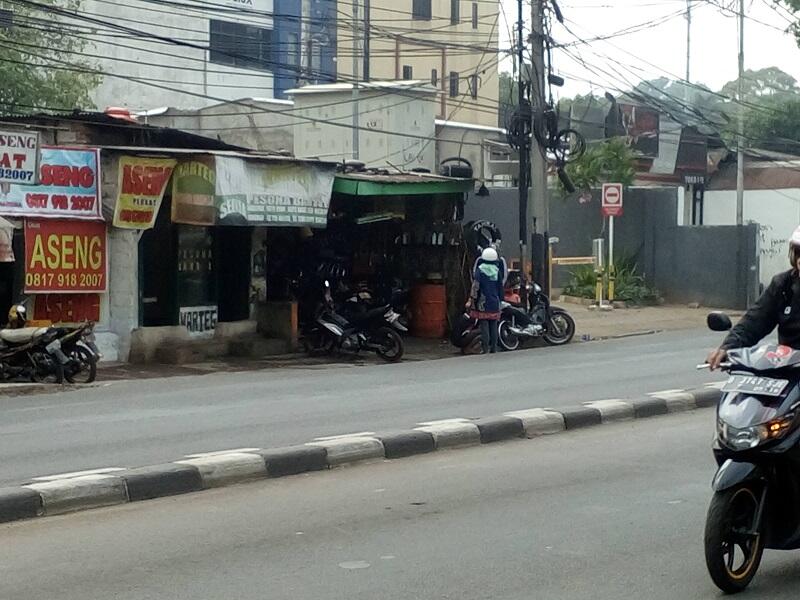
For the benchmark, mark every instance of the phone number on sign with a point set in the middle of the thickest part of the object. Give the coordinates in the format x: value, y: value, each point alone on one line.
x: 64, y: 280
x: 16, y: 175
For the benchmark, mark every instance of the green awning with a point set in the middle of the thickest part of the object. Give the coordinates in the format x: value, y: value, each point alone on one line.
x: 402, y: 185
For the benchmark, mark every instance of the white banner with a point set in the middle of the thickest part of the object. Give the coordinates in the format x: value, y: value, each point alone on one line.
x: 256, y: 193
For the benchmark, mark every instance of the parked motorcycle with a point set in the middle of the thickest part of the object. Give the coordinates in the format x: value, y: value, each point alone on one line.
x: 78, y: 344
x: 756, y: 501
x: 375, y: 329
x: 32, y: 353
x: 554, y: 325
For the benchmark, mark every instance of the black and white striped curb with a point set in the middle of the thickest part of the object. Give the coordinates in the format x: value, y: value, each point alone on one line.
x: 58, y: 494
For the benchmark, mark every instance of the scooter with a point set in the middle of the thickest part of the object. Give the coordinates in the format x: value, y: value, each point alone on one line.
x: 32, y: 353
x: 541, y: 320
x: 78, y: 344
x: 756, y: 500
x: 375, y: 330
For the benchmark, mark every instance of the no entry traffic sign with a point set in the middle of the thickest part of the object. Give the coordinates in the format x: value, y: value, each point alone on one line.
x: 612, y: 200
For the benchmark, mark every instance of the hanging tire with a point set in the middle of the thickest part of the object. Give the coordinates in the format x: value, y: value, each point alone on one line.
x: 82, y: 366
x: 46, y: 369
x: 560, y: 329
x: 390, y: 344
x: 733, y: 546
x: 508, y: 340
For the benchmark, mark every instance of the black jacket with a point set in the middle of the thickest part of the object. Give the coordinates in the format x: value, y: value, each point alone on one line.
x: 779, y: 306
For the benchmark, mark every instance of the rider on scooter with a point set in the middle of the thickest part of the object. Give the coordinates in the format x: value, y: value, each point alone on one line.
x: 778, y: 305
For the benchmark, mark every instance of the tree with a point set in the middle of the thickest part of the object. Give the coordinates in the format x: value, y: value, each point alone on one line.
x: 41, y: 72
x: 794, y: 7
x: 606, y: 162
x: 759, y: 84
x: 774, y: 125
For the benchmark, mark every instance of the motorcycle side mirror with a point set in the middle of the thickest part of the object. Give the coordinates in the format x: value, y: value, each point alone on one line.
x: 718, y: 321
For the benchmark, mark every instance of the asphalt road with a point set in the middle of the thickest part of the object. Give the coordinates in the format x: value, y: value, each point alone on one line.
x: 133, y: 423
x: 610, y: 513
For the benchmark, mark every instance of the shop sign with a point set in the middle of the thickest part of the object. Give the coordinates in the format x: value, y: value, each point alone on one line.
x: 257, y: 193
x: 141, y: 186
x: 193, y: 192
x: 69, y: 187
x: 65, y: 256
x: 67, y: 308
x: 201, y: 321
x: 19, y: 157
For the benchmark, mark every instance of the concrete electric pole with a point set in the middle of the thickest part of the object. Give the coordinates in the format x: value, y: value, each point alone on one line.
x: 740, y: 137
x: 538, y: 183
x: 355, y: 79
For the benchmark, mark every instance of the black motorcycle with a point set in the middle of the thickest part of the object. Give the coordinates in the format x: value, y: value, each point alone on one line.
x: 541, y: 320
x: 756, y: 501
x: 78, y: 344
x: 375, y: 329
x: 32, y: 353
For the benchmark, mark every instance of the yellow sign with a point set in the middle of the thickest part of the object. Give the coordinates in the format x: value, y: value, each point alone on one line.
x: 141, y: 186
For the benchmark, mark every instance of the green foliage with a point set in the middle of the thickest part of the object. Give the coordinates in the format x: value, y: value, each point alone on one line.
x: 31, y: 80
x: 759, y: 84
x: 775, y: 125
x: 609, y: 161
x: 508, y: 99
x: 630, y: 286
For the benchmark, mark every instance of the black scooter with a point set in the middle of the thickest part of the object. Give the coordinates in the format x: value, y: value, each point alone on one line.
x: 541, y: 320
x: 375, y: 330
x: 756, y: 501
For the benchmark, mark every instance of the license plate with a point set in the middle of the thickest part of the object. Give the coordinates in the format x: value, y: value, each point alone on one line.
x: 750, y: 384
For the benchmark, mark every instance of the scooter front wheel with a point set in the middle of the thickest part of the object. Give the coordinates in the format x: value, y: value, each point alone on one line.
x: 507, y: 338
x: 733, y: 539
x: 390, y: 345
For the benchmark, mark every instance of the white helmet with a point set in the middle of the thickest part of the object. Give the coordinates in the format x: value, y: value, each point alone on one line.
x: 489, y: 255
x: 794, y: 248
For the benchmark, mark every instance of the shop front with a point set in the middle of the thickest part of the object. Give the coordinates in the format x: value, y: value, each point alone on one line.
x: 53, y: 242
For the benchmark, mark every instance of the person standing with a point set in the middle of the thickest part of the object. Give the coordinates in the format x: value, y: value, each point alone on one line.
x: 485, y: 296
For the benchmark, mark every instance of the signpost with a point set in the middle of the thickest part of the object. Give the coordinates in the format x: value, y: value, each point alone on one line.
x: 611, y: 207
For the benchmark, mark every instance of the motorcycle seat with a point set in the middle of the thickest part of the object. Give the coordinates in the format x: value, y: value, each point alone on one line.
x: 23, y: 335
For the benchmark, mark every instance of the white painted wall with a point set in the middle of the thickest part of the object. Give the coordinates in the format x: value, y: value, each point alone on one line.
x: 169, y: 74
x: 776, y: 211
x: 380, y: 112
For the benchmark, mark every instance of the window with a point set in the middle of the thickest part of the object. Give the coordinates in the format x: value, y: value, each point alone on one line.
x: 408, y: 72
x: 242, y: 46
x: 453, y: 84
x: 472, y: 83
x: 455, y: 11
x: 474, y: 15
x: 434, y: 77
x: 421, y: 9
x: 292, y: 49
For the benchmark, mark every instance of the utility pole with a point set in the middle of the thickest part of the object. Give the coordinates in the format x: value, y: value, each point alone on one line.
x: 740, y: 138
x: 688, y: 44
x: 539, y: 191
x: 355, y: 79
x: 366, y: 38
x: 523, y: 143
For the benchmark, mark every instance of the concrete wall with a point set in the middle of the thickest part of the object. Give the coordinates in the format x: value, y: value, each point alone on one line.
x: 777, y: 213
x: 171, y: 75
x: 388, y: 54
x: 715, y: 266
x: 381, y: 111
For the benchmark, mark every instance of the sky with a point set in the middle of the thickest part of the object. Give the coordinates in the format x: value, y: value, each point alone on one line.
x: 659, y: 49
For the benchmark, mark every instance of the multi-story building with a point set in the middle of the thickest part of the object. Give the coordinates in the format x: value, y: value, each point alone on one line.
x: 452, y: 43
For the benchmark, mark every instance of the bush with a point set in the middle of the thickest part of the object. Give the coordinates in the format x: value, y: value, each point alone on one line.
x: 629, y: 285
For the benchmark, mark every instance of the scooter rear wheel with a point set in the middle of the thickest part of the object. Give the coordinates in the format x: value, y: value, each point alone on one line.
x: 733, y: 546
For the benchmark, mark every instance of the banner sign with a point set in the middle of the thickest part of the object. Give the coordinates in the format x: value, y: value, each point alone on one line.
x: 141, y: 186
x: 65, y: 256
x: 19, y: 157
x: 69, y: 187
x: 199, y: 320
x: 257, y: 193
x: 193, y: 192
x: 67, y: 308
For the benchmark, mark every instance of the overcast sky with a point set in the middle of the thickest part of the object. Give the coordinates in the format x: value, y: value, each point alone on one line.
x: 662, y: 42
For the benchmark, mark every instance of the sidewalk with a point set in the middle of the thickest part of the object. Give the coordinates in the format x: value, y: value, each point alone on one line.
x: 591, y: 325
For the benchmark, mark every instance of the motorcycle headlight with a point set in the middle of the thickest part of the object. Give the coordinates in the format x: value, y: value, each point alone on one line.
x: 749, y: 437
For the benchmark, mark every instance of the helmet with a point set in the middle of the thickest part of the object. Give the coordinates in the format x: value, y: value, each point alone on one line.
x: 489, y: 255
x: 17, y: 315
x: 794, y: 248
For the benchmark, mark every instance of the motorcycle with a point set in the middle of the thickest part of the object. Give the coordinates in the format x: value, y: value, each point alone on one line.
x: 756, y: 500
x: 78, y: 344
x: 374, y: 329
x: 554, y: 325
x: 32, y: 353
